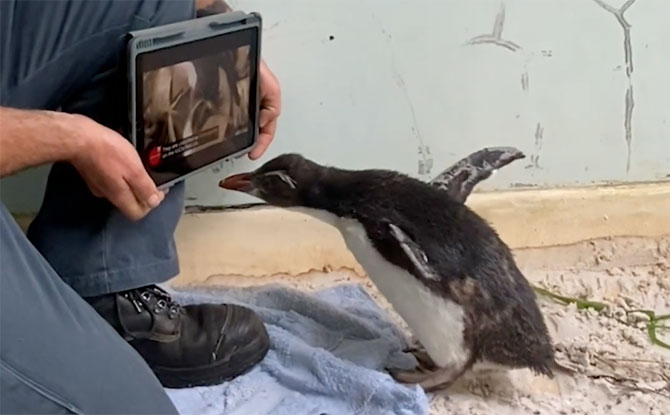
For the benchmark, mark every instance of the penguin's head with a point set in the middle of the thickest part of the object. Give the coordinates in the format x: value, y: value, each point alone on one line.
x: 283, y: 181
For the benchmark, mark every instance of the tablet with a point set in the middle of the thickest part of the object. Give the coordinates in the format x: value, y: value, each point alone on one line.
x: 194, y: 93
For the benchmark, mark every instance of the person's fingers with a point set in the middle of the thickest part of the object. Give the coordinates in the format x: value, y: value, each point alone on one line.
x: 265, y: 118
x: 264, y: 139
x: 123, y: 197
x: 144, y: 188
x: 270, y: 110
x: 94, y: 190
x: 270, y: 94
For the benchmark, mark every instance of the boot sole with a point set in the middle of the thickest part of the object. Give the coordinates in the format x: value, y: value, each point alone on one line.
x: 215, y: 374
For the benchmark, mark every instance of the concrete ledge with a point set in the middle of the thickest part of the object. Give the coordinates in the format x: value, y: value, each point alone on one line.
x: 264, y: 241
x: 538, y: 218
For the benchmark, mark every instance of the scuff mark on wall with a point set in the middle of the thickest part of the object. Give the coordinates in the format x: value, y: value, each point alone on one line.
x: 272, y: 26
x: 425, y: 161
x: 539, y: 139
x: 227, y: 164
x: 522, y: 185
x: 495, y: 37
x: 629, y: 101
x: 524, y: 81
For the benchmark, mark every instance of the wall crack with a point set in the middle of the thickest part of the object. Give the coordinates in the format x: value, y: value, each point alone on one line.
x: 539, y: 139
x: 629, y: 101
x: 495, y: 37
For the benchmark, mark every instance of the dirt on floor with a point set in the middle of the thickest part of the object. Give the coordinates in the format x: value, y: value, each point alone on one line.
x: 619, y: 370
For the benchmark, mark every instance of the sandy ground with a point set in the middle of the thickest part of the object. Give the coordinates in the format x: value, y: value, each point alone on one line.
x: 619, y: 370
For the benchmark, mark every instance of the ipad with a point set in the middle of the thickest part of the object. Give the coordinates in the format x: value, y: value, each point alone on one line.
x: 194, y: 93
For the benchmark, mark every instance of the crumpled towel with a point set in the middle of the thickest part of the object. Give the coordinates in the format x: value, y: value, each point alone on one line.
x: 328, y: 354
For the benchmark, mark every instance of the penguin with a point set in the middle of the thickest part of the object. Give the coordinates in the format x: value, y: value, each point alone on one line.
x: 442, y: 267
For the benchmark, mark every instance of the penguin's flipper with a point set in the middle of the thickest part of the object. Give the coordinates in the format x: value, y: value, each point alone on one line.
x: 414, y: 252
x: 459, y: 179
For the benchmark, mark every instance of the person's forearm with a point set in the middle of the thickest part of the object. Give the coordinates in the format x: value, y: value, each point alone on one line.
x: 31, y: 137
x: 209, y: 7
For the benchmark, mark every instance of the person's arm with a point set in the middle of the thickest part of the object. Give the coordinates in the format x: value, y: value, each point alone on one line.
x: 106, y: 161
x: 31, y: 138
x: 269, y: 85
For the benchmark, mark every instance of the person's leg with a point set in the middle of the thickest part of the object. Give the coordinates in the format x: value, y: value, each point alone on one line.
x: 66, y: 54
x: 57, y: 355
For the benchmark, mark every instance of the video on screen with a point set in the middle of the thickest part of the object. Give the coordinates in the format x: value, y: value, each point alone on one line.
x: 192, y: 105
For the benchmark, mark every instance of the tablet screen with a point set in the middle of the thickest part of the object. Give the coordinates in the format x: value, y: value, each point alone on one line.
x: 196, y: 103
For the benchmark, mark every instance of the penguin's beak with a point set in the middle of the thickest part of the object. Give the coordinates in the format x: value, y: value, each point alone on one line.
x: 238, y: 182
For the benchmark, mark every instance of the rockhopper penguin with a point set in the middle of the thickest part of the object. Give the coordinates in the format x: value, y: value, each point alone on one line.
x: 443, y: 268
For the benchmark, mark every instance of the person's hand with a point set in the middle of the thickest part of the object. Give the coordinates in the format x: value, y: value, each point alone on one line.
x: 112, y: 169
x: 270, y: 110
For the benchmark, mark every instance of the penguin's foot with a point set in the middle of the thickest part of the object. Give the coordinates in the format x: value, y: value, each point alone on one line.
x: 432, y: 381
x: 426, y: 363
x: 416, y: 375
x: 439, y: 378
x: 444, y: 377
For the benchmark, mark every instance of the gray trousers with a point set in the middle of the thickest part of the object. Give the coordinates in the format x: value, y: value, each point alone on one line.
x: 56, y: 353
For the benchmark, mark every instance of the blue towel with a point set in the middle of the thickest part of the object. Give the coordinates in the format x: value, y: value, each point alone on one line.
x: 328, y: 354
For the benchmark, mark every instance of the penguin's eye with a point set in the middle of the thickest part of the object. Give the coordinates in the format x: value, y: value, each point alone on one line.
x: 283, y: 176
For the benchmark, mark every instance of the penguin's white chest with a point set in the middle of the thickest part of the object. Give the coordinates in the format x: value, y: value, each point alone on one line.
x: 436, y: 322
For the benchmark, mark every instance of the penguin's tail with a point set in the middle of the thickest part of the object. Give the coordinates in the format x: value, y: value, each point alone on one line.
x: 557, y: 367
x: 552, y: 368
x: 460, y: 178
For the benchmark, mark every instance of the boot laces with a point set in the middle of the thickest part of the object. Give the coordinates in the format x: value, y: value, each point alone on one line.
x: 142, y: 299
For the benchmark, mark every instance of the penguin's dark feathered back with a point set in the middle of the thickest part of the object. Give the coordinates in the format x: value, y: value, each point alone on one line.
x: 446, y: 229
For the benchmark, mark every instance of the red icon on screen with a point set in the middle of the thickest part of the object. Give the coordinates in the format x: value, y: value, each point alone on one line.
x: 155, y: 156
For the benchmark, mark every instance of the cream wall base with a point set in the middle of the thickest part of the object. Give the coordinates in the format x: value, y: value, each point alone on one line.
x: 265, y: 241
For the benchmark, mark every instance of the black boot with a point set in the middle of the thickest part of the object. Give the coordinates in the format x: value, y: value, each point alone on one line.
x: 186, y: 346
